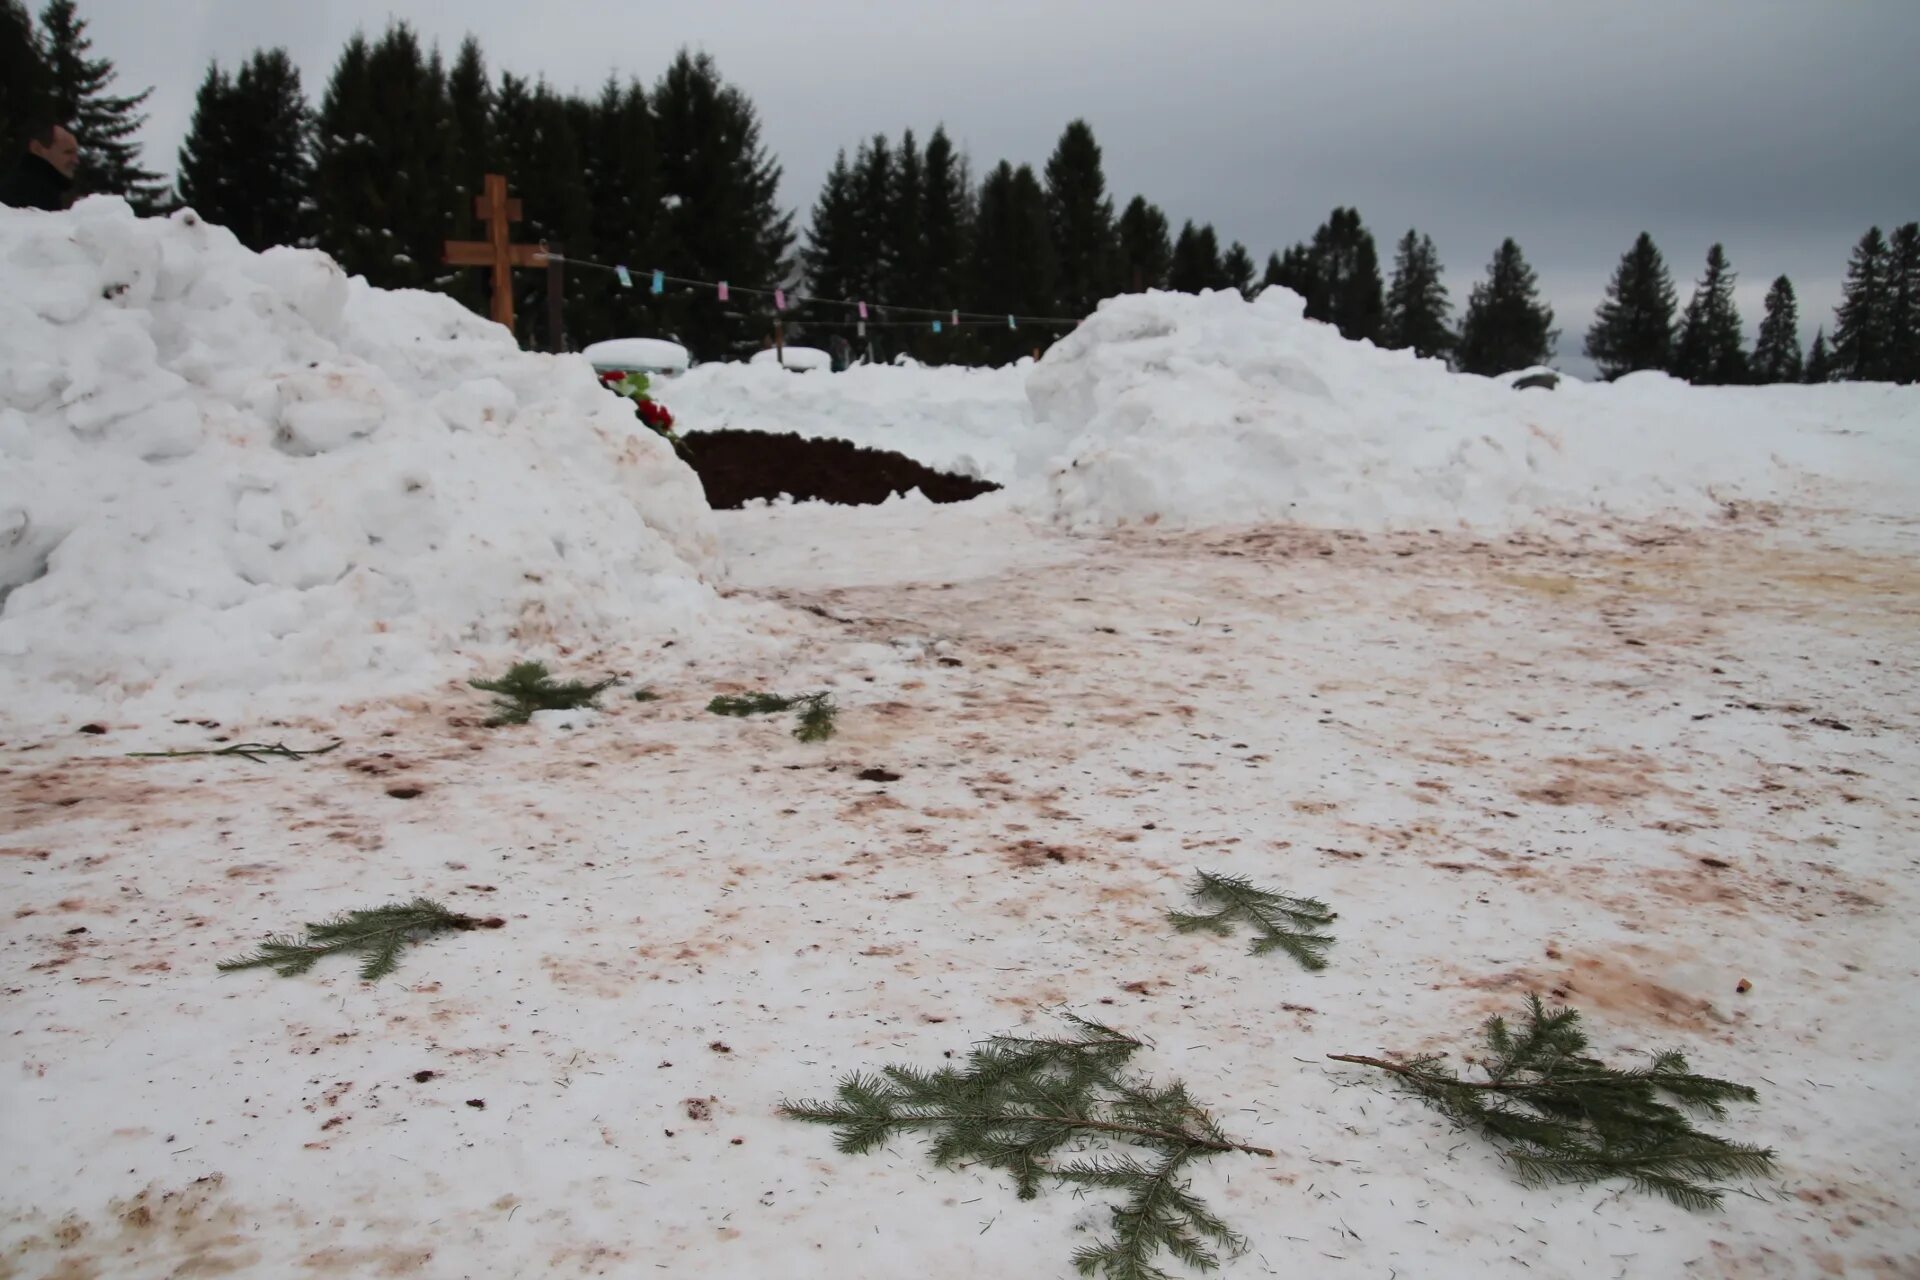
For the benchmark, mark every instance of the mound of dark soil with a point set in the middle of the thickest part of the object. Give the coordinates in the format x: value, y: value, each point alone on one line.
x: 738, y: 466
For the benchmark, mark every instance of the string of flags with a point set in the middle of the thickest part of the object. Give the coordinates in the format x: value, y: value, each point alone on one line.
x: 938, y: 319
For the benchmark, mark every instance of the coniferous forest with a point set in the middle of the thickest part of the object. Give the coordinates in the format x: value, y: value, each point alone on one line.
x: 378, y: 167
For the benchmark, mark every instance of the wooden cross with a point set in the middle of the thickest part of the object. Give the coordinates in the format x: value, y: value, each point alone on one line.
x: 495, y: 211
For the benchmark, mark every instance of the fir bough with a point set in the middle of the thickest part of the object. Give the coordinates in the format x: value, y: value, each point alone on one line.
x: 529, y: 687
x: 1051, y: 1110
x: 1280, y: 921
x: 376, y: 934
x: 1559, y: 1115
x: 817, y: 710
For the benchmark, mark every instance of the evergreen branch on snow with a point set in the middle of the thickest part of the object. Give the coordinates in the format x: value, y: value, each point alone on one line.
x: 376, y: 934
x: 1280, y: 922
x: 817, y: 710
x: 1052, y: 1110
x: 1558, y: 1115
x: 528, y: 687
x: 255, y: 751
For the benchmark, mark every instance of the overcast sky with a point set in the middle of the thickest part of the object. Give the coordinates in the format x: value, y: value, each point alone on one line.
x: 1783, y: 129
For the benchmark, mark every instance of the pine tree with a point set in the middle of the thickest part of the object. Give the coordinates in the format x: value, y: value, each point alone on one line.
x: 1707, y: 351
x: 79, y: 95
x: 469, y: 153
x: 23, y: 75
x: 381, y: 175
x: 1345, y: 287
x: 835, y: 254
x: 1196, y: 261
x: 1819, y: 363
x: 1237, y: 268
x: 905, y: 210
x: 945, y: 217
x: 1417, y: 305
x: 946, y: 223
x: 1146, y: 252
x: 1507, y: 326
x: 614, y: 133
x: 1080, y: 217
x: 1559, y: 1115
x: 1903, y: 317
x: 722, y: 218
x: 1633, y: 329
x: 246, y: 163
x: 1776, y: 354
x: 1296, y: 271
x: 1013, y: 258
x: 1860, y: 325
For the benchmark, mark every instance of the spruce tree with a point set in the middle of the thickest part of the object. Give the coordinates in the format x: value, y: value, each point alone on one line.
x: 723, y: 219
x: 1297, y: 271
x: 1707, y: 351
x: 23, y: 75
x: 1903, y: 318
x: 832, y: 252
x: 1633, y: 329
x: 79, y: 95
x: 905, y: 211
x: 1819, y: 361
x: 469, y: 153
x: 1013, y: 258
x: 382, y: 193
x: 1237, y: 268
x: 1196, y: 261
x: 1417, y: 305
x: 1860, y: 325
x: 1776, y: 354
x: 1507, y: 326
x: 1346, y: 290
x: 1080, y: 217
x: 614, y: 132
x: 1146, y: 252
x: 944, y: 220
x: 246, y: 163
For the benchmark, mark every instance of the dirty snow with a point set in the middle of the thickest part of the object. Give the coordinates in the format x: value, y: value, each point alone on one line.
x: 1628, y: 763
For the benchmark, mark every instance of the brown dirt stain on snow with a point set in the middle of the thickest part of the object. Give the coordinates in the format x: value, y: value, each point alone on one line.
x: 1614, y: 984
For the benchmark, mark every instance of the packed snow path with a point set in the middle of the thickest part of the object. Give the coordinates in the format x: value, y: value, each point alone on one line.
x: 1629, y: 770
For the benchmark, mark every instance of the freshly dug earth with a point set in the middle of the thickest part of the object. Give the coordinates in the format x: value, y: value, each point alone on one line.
x: 737, y: 466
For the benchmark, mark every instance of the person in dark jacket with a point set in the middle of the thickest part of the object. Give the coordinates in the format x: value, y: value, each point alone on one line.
x: 42, y: 178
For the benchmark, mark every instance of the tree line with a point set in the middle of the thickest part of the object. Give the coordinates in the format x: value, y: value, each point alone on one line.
x: 675, y: 175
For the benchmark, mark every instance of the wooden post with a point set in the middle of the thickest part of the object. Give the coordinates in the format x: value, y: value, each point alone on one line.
x: 556, y: 299
x: 495, y: 212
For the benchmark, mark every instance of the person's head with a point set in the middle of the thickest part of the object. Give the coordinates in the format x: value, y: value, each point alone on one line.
x: 55, y: 144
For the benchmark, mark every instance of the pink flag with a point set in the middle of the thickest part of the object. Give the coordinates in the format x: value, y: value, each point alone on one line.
x: 723, y: 291
x: 863, y: 311
x: 779, y: 299
x: 956, y: 317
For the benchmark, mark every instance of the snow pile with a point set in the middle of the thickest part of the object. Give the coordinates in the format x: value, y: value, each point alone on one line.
x: 1187, y: 410
x: 227, y: 472
x: 964, y: 421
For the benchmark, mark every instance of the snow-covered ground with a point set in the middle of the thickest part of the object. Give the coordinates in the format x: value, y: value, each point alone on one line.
x: 1629, y: 755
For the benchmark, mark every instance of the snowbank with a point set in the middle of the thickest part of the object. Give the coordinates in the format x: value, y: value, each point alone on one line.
x: 965, y: 421
x: 223, y: 471
x: 1187, y: 410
